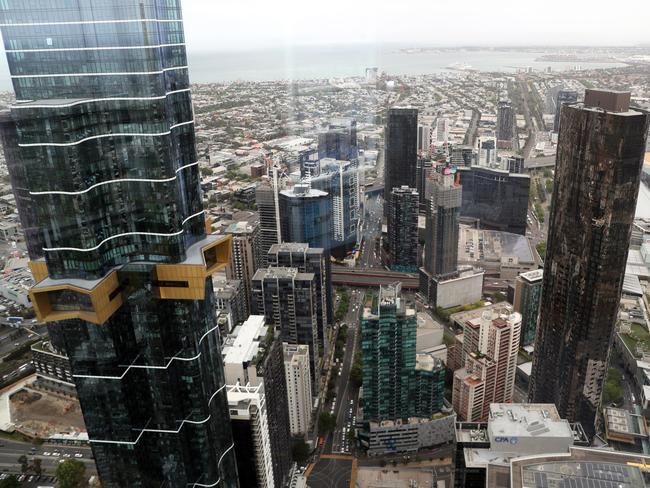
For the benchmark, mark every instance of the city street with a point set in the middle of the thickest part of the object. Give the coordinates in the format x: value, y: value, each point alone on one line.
x: 49, y: 454
x: 370, y: 257
x: 346, y: 394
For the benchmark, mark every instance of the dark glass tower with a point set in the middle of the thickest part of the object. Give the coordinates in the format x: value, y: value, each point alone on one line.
x: 401, y: 151
x: 598, y: 169
x: 102, y: 156
x: 403, y: 229
x: 443, y: 212
x: 563, y: 96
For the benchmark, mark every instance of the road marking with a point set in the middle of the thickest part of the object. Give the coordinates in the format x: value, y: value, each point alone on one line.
x: 309, y: 469
x: 337, y: 456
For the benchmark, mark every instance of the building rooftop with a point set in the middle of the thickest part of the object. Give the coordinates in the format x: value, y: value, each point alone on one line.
x: 620, y: 423
x: 581, y: 467
x: 533, y: 276
x: 527, y: 420
x: 282, y: 272
x: 243, y: 343
x: 292, y: 352
x: 426, y: 362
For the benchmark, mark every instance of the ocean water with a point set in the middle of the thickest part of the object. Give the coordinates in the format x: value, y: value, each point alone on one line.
x: 298, y: 63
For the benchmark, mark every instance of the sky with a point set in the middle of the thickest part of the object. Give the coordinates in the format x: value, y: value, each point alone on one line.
x: 227, y: 25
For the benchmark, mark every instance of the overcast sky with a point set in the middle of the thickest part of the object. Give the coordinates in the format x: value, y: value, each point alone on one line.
x: 246, y: 24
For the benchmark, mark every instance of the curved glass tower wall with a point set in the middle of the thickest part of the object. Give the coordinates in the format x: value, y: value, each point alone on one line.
x: 100, y: 147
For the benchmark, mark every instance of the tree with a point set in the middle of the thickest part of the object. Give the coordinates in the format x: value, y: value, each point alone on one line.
x: 300, y: 451
x: 326, y: 423
x: 206, y: 171
x: 356, y: 375
x: 36, y: 467
x: 541, y: 249
x: 22, y: 460
x: 10, y: 482
x: 499, y: 297
x: 71, y: 474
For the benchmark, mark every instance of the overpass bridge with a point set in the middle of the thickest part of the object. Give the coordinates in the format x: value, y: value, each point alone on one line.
x: 367, y: 277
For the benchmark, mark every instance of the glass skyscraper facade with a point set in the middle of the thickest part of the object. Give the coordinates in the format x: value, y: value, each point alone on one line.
x: 100, y: 149
x: 398, y: 383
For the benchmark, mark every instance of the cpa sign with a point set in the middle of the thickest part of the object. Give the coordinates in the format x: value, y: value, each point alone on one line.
x: 506, y: 440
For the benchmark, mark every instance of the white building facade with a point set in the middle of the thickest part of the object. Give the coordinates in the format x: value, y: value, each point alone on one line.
x: 296, y: 368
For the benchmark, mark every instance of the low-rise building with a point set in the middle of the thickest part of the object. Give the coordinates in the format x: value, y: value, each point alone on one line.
x: 484, y: 450
x: 410, y: 435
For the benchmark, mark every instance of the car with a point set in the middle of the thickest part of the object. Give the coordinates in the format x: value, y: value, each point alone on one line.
x: 78, y: 455
x: 61, y: 461
x: 47, y: 453
x: 67, y: 455
x: 56, y: 454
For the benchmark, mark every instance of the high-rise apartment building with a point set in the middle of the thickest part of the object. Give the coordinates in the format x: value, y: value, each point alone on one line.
x: 442, y: 230
x: 309, y: 260
x: 299, y: 399
x: 287, y: 298
x: 563, y: 96
x: 505, y: 125
x: 230, y: 301
x: 245, y: 257
x: 424, y: 139
x: 101, y: 153
x: 397, y: 382
x: 253, y: 356
x: 442, y: 130
x: 305, y: 216
x: 267, y: 199
x: 403, y: 229
x: 401, y: 151
x: 528, y: 294
x: 339, y: 141
x: 597, y: 174
x: 423, y: 170
x: 251, y: 434
x: 340, y: 180
x: 486, y: 152
x: 490, y: 344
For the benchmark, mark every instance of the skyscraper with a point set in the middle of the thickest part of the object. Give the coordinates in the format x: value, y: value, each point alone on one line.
x: 528, y: 293
x: 245, y: 257
x: 340, y: 180
x: 403, y: 229
x: 296, y: 367
x: 267, y: 199
x: 496, y: 198
x: 505, y: 124
x: 397, y: 382
x: 490, y: 344
x: 250, y: 428
x: 443, y: 212
x: 305, y: 215
x: 102, y: 143
x: 597, y: 173
x: 401, y: 150
x: 339, y: 141
x: 287, y: 298
x: 309, y: 260
x: 253, y: 356
x: 563, y: 96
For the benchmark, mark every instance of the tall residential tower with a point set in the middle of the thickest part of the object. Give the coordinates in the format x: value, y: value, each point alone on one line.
x: 597, y: 174
x: 101, y: 153
x: 401, y: 150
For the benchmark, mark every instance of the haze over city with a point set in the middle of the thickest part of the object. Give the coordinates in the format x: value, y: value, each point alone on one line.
x: 325, y: 245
